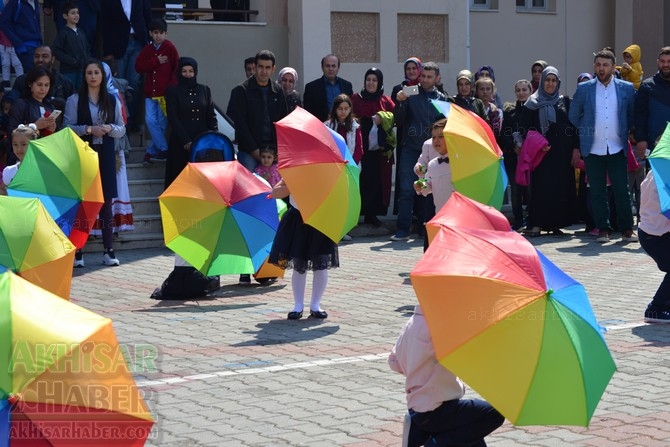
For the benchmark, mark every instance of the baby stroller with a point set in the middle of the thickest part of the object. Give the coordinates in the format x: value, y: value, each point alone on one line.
x: 212, y: 146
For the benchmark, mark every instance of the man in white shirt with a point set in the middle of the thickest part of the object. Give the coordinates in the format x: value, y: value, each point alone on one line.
x: 602, y: 110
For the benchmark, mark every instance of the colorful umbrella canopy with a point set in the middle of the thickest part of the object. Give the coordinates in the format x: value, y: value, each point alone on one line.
x: 320, y: 173
x: 513, y: 326
x: 461, y: 211
x: 267, y: 270
x: 62, y: 171
x: 217, y: 216
x: 32, y: 245
x: 477, y: 168
x: 63, y: 378
x: 659, y: 159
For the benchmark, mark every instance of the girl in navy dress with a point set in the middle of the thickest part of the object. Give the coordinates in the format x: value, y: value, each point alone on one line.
x: 302, y: 247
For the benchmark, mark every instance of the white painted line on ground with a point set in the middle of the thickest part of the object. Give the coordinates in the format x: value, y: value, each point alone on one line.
x: 275, y: 368
x: 625, y: 326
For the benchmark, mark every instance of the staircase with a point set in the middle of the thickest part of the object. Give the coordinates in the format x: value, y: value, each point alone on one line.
x: 145, y: 184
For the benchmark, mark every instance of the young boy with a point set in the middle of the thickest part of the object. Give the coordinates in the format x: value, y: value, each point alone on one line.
x: 437, y: 173
x: 438, y: 413
x: 158, y: 62
x: 71, y: 46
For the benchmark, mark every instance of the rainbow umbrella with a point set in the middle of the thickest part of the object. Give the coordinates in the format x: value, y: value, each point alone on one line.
x: 513, y: 326
x: 267, y: 270
x: 460, y: 211
x: 32, y: 245
x: 217, y: 217
x: 477, y: 168
x: 62, y: 171
x: 659, y: 160
x: 318, y: 169
x: 63, y: 378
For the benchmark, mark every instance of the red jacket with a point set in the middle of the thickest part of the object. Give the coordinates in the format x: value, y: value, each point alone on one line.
x: 158, y: 76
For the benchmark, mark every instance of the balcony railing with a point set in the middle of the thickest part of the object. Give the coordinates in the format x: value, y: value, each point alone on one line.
x: 226, y: 15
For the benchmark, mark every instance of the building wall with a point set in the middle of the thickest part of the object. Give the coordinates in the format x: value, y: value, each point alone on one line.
x: 377, y: 41
x: 566, y: 38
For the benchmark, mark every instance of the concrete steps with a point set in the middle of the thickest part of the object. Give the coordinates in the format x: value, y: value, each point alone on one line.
x: 145, y: 184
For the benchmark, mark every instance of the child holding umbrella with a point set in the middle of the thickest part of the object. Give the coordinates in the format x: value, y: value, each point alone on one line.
x: 302, y: 247
x: 438, y: 414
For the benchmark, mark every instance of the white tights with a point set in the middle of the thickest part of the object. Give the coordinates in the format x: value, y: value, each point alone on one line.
x: 298, y: 283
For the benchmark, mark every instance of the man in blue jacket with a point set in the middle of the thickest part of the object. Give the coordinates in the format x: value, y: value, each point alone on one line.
x: 602, y: 111
x: 415, y: 114
x: 652, y: 104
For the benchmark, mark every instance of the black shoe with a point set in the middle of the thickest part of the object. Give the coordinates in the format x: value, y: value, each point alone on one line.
x: 373, y: 220
x: 318, y: 314
x: 294, y: 315
x: 653, y: 315
x: 245, y: 280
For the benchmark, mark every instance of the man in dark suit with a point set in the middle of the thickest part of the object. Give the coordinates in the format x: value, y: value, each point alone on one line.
x: 124, y: 34
x: 320, y: 93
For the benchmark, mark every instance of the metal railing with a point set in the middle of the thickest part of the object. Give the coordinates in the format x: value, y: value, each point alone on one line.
x: 194, y: 13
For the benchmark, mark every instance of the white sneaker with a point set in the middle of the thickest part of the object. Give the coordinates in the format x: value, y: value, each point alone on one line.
x: 110, y: 259
x: 78, y: 259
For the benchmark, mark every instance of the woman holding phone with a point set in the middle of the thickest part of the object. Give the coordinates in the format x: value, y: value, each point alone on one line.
x: 35, y: 106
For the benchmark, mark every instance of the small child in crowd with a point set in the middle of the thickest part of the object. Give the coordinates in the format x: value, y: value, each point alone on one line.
x: 71, y: 46
x: 437, y: 173
x: 158, y: 61
x: 302, y: 247
x: 438, y: 414
x: 342, y: 121
x: 20, y: 140
x: 631, y: 69
x: 268, y: 167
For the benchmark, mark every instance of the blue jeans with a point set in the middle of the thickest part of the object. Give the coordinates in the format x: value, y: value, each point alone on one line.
x: 157, y: 124
x: 126, y: 70
x: 598, y: 167
x: 247, y: 160
x: 405, y: 185
x: 461, y: 422
x: 658, y: 247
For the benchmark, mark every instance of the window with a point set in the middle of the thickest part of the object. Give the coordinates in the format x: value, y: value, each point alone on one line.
x: 483, y: 5
x: 540, y: 5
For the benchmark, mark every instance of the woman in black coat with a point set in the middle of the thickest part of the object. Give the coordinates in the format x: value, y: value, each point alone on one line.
x: 190, y: 112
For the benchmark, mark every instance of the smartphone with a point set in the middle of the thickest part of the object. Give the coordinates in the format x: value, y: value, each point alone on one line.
x: 411, y: 90
x: 55, y: 114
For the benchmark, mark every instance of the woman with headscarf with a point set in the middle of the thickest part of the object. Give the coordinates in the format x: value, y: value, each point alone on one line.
x: 288, y: 78
x: 510, y: 140
x: 190, y: 112
x: 372, y: 106
x: 536, y: 73
x: 465, y: 95
x: 486, y: 71
x: 552, y: 183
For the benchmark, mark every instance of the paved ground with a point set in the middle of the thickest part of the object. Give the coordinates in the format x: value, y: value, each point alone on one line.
x: 232, y: 371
